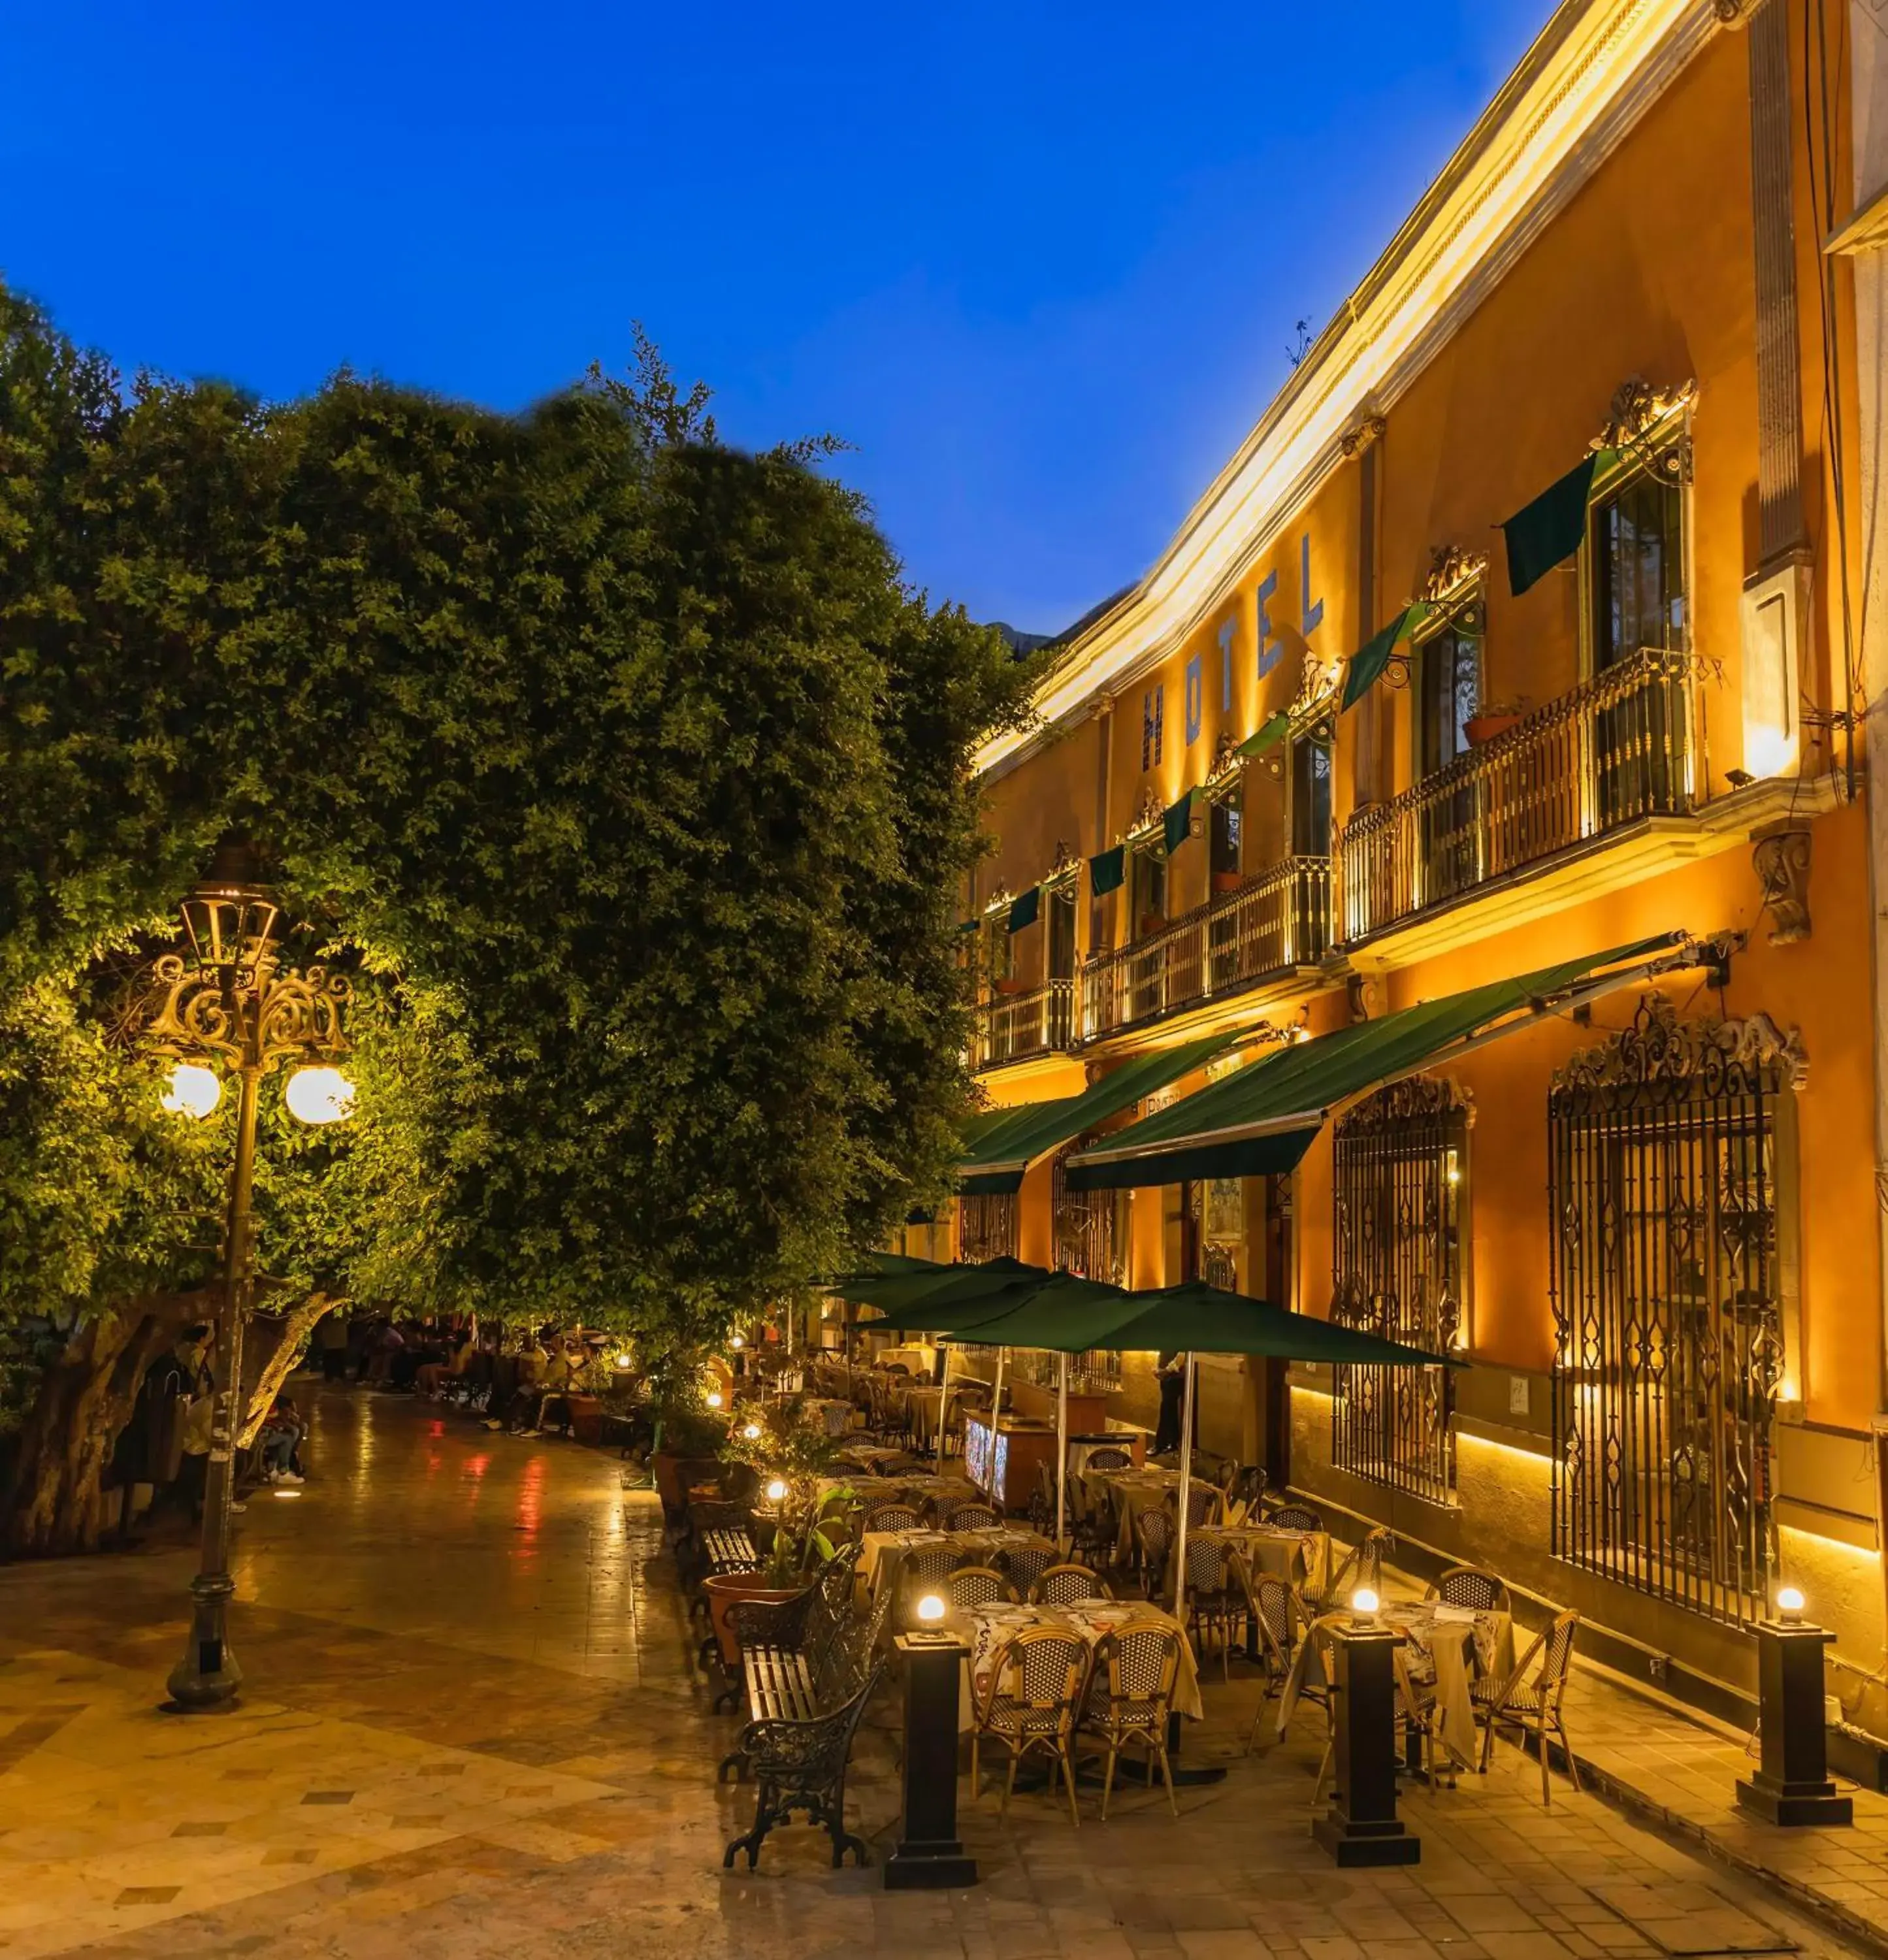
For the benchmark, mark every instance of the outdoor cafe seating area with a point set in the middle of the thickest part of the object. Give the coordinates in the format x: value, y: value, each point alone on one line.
x: 1095, y: 1636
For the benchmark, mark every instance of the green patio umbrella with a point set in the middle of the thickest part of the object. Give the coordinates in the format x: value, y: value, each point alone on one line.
x: 1195, y: 1319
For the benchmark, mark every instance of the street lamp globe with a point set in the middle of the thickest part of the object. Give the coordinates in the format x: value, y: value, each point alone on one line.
x: 319, y: 1096
x: 192, y: 1090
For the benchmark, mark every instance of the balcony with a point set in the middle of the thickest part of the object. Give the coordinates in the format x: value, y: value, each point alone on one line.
x: 1613, y: 753
x: 1264, y: 931
x: 1014, y: 1027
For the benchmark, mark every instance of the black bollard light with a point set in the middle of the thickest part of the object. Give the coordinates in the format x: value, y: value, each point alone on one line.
x: 1792, y: 1784
x: 1362, y: 1827
x: 930, y: 1855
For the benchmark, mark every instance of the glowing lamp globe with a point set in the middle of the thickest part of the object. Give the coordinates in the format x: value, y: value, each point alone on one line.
x: 776, y: 1491
x: 319, y: 1096
x: 714, y: 1398
x: 737, y: 1342
x: 192, y: 1090
x: 1363, y: 1605
x: 930, y: 1609
x: 752, y: 1432
x: 1790, y: 1603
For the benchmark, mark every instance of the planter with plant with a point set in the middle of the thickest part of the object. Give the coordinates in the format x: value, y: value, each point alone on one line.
x: 1494, y: 719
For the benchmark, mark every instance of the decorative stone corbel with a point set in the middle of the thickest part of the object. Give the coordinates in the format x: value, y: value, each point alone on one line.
x: 1735, y: 13
x: 1782, y: 858
x: 1356, y: 440
x: 1064, y: 859
x: 1637, y: 408
x: 1366, y: 997
x: 1451, y: 567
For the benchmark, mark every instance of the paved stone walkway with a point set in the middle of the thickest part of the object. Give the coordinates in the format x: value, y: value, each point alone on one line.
x: 472, y: 1729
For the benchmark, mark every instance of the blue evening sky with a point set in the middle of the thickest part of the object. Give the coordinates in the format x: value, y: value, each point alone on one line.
x: 1039, y: 264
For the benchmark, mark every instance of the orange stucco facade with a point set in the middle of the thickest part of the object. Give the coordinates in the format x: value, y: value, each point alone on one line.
x: 1631, y: 254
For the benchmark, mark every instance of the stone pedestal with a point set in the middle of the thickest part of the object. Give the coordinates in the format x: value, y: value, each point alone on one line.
x: 1792, y: 1784
x: 1363, y: 1827
x: 930, y: 1855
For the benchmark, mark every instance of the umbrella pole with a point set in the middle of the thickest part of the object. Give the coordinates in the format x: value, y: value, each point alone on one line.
x: 995, y: 1492
x: 1186, y: 1487
x: 1061, y: 1447
x: 943, y: 1398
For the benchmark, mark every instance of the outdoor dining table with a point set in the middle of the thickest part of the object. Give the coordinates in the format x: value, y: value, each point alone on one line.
x: 835, y: 1414
x: 988, y: 1627
x: 921, y: 1486
x: 1132, y: 1491
x: 1300, y: 1558
x: 882, y: 1554
x: 1445, y: 1642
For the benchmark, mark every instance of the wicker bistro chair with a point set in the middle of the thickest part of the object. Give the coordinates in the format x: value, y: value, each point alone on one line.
x: 1470, y: 1585
x: 891, y: 1517
x: 977, y: 1586
x: 973, y: 1517
x: 1154, y: 1535
x: 1364, y: 1567
x: 1022, y: 1565
x: 1535, y: 1704
x: 927, y: 1569
x: 1064, y: 1585
x: 1215, y: 1604
x: 1108, y: 1457
x: 1298, y: 1517
x: 1278, y: 1613
x: 1030, y: 1704
x: 1203, y: 1504
x: 802, y: 1766
x: 1130, y: 1696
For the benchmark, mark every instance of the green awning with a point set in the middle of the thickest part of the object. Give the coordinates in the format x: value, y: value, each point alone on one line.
x: 1368, y: 663
x: 1272, y: 731
x: 995, y: 1159
x: 1025, y: 910
x: 1107, y: 871
x: 1263, y: 1119
x: 1196, y: 1319
x: 1551, y: 528
x: 968, y: 925
x: 885, y: 1265
x: 1176, y: 822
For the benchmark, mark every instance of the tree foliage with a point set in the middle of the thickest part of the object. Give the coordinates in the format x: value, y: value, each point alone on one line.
x: 622, y: 764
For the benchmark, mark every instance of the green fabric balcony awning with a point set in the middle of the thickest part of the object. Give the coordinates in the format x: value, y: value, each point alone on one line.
x: 1271, y: 732
x: 1176, y: 822
x: 1263, y: 1119
x: 996, y: 1155
x: 1107, y: 870
x: 1026, y: 909
x: 1195, y: 1319
x: 1550, y: 530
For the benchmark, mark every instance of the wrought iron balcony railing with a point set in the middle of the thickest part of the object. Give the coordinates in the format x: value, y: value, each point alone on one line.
x: 1010, y: 1027
x: 1618, y: 749
x: 1279, y: 920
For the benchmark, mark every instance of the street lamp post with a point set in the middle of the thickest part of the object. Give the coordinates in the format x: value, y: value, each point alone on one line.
x: 226, y: 1002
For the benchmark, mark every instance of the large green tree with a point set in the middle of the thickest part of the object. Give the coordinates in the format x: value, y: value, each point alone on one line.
x: 622, y: 764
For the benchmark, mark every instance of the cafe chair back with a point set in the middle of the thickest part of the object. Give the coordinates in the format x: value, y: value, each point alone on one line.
x: 978, y: 1586
x: 1470, y: 1585
x: 1065, y: 1584
x: 1030, y: 1703
x: 1535, y: 1703
x: 1131, y: 1696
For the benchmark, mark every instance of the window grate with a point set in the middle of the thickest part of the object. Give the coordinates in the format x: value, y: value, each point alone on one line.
x: 1667, y: 1305
x: 989, y: 1226
x: 1399, y: 1159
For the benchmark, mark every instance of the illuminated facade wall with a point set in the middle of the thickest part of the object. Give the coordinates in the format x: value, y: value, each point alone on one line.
x: 1602, y: 231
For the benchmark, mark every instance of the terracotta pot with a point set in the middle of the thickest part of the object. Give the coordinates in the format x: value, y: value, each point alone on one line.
x: 1008, y: 986
x: 1486, y: 727
x: 1227, y: 881
x: 723, y: 1591
x: 1152, y: 922
x: 586, y: 1419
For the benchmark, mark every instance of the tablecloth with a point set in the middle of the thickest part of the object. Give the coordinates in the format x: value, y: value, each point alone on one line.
x: 1444, y: 1643
x: 882, y: 1554
x: 988, y: 1627
x: 1301, y: 1558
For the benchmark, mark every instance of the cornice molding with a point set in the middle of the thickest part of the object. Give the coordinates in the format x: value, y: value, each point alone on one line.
x: 1597, y: 67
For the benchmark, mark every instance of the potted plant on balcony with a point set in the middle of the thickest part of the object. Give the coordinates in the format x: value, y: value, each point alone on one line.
x: 1493, y: 719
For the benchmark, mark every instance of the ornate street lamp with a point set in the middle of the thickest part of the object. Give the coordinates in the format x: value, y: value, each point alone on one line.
x: 226, y: 1007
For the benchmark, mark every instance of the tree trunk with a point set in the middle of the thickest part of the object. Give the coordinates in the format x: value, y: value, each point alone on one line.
x: 53, y: 1498
x: 271, y: 1346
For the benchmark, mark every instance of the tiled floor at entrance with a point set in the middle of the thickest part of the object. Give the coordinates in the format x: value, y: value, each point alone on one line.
x: 472, y: 1729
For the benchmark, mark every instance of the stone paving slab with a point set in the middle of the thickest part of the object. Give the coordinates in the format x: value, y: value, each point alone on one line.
x: 473, y: 1648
